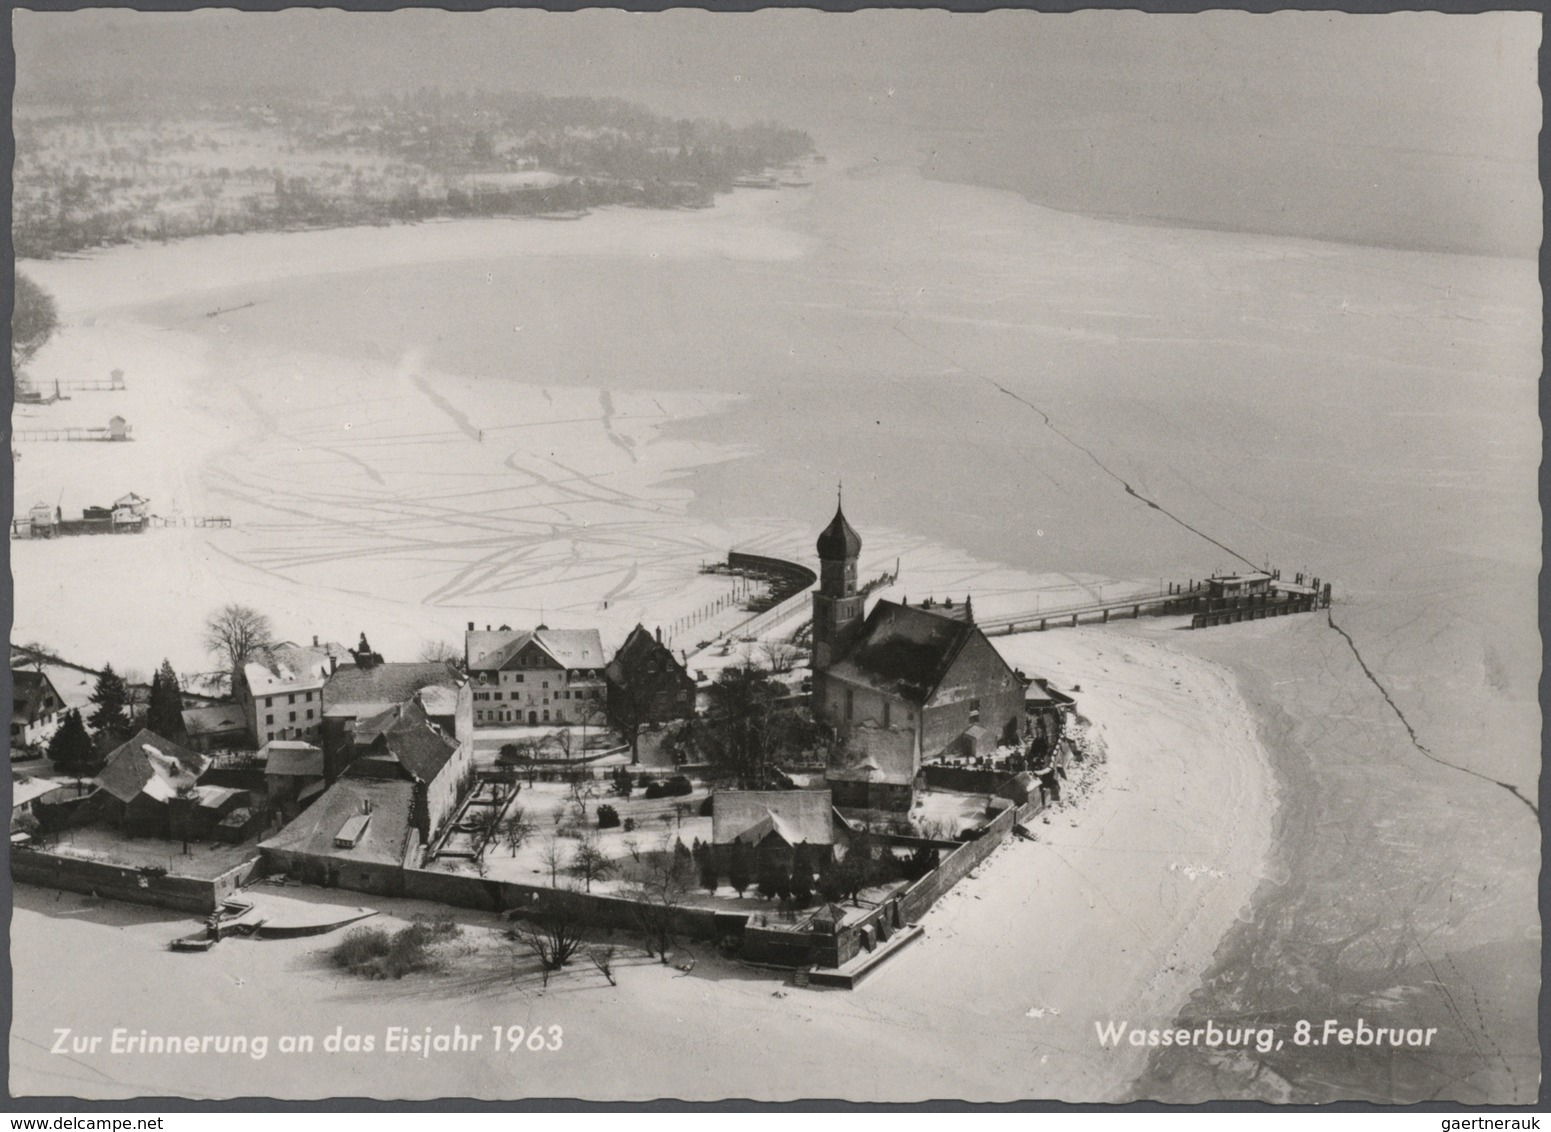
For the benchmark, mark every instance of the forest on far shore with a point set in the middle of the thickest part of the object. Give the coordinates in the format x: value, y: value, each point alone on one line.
x: 97, y: 172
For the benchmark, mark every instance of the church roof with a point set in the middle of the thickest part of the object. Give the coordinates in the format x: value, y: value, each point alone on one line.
x: 903, y: 651
x: 839, y: 540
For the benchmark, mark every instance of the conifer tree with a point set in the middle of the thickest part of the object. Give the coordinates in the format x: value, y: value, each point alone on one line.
x: 70, y: 749
x: 110, y: 719
x: 164, y: 713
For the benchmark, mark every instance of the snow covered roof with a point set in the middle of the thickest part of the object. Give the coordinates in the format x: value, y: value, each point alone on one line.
x: 286, y: 668
x: 221, y: 719
x: 292, y: 758
x: 389, y: 802
x: 751, y: 815
x: 151, y: 765
x: 354, y: 692
x: 492, y: 650
x: 903, y: 652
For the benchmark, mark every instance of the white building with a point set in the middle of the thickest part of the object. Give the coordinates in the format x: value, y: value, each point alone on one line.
x: 539, y: 676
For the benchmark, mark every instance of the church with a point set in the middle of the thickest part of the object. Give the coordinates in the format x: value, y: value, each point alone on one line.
x: 902, y: 685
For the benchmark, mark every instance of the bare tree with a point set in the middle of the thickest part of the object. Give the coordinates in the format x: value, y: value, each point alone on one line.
x: 516, y: 829
x: 591, y: 711
x: 780, y: 656
x: 555, y: 856
x: 235, y: 635
x: 682, y: 810
x: 659, y: 884
x: 590, y: 861
x: 553, y: 937
x: 487, y: 827
x: 603, y: 959
x: 561, y: 739
x: 441, y: 652
x: 581, y: 792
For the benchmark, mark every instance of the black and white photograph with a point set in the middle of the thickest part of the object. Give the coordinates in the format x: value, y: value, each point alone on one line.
x: 886, y: 556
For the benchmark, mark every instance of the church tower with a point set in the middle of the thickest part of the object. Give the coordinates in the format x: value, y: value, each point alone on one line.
x: 837, y: 607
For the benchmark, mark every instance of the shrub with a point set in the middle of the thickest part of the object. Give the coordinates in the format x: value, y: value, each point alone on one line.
x: 678, y: 787
x: 705, y: 807
x: 654, y: 790
x: 644, y: 781
x: 629, y: 825
x: 608, y: 817
x: 360, y: 947
x: 374, y: 954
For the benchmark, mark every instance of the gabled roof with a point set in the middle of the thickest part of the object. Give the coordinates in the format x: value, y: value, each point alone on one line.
x: 292, y: 758
x: 149, y: 764
x: 403, y: 734
x: 750, y: 815
x: 640, y: 647
x: 879, y: 755
x: 354, y: 692
x: 285, y: 667
x: 903, y: 652
x: 29, y: 686
x: 222, y: 719
x: 390, y: 803
x: 491, y: 650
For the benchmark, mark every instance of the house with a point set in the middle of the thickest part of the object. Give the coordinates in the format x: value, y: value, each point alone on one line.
x: 1238, y: 585
x: 403, y: 744
x: 537, y: 676
x: 1044, y: 707
x: 221, y: 727
x: 928, y: 672
x: 281, y: 691
x: 118, y: 428
x: 36, y: 706
x: 877, y: 770
x: 293, y: 774
x: 360, y: 834
x: 774, y: 822
x: 26, y: 790
x: 141, y: 779
x: 646, y: 683
x: 367, y: 686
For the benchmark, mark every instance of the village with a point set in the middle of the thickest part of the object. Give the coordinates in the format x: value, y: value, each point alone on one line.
x: 797, y: 792
x: 800, y: 816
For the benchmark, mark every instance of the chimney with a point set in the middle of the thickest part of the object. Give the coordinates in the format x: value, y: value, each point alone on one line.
x: 969, y: 609
x: 659, y: 634
x: 315, y: 640
x: 471, y: 626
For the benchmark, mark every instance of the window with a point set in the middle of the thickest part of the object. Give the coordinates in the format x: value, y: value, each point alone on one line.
x: 974, y: 711
x: 546, y: 717
x: 269, y: 701
x: 517, y: 677
x: 269, y: 719
x: 498, y: 695
x: 479, y: 716
x: 291, y: 699
x: 309, y: 713
x: 293, y: 717
x: 309, y: 697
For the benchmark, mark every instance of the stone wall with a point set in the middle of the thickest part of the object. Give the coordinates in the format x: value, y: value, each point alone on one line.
x: 122, y: 882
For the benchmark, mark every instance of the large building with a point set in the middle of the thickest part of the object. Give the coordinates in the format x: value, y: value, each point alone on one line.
x: 647, y: 684
x: 539, y: 676
x: 902, y: 685
x: 281, y: 691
